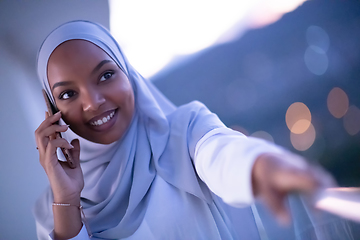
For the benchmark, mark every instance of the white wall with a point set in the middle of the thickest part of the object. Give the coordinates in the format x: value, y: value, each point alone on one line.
x: 23, y: 26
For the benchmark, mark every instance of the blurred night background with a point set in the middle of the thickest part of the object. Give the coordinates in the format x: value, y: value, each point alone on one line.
x: 304, y: 68
x: 291, y: 77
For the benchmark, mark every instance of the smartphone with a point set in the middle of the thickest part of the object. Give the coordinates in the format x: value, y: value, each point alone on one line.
x: 52, y: 110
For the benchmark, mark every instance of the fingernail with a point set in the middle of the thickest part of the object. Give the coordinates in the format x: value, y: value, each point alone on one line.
x: 71, y: 146
x: 58, y: 113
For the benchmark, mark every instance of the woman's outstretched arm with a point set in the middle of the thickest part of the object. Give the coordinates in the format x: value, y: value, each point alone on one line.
x: 239, y: 168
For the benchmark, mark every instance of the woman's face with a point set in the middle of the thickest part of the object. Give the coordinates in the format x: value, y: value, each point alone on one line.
x: 93, y: 94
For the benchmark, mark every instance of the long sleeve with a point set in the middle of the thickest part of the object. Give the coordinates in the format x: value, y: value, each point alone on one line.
x: 43, y: 234
x: 224, y: 159
x: 83, y: 235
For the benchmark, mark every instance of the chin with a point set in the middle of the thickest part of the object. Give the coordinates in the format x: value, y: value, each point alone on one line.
x: 104, y: 139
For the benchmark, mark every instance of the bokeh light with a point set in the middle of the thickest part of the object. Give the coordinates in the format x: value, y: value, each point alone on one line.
x: 352, y: 120
x: 305, y: 140
x: 298, y: 118
x: 263, y: 135
x: 316, y: 60
x: 315, y: 56
x: 317, y: 36
x: 337, y: 102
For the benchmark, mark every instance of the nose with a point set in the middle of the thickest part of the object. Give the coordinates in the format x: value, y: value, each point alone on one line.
x: 92, y: 100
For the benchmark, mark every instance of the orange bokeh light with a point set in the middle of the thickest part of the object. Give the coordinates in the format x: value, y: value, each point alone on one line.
x: 305, y: 140
x: 298, y: 118
x: 338, y: 102
x: 352, y: 120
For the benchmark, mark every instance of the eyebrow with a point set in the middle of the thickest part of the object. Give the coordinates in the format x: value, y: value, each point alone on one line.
x: 58, y: 84
x: 100, y: 65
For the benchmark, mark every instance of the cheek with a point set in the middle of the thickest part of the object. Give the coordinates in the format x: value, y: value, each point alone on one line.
x: 123, y: 93
x: 73, y: 118
x: 71, y: 114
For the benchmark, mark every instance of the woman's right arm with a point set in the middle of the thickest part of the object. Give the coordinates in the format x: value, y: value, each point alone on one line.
x: 66, y: 183
x: 239, y: 168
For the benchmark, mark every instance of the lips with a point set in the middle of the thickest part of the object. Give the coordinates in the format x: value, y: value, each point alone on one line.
x: 104, y: 120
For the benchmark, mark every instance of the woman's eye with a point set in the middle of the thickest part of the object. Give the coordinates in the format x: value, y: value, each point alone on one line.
x: 66, y: 95
x: 106, y: 76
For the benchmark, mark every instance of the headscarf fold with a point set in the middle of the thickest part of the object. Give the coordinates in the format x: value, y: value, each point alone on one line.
x: 160, y: 140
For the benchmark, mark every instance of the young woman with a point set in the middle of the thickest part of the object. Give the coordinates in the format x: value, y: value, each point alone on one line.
x: 145, y: 169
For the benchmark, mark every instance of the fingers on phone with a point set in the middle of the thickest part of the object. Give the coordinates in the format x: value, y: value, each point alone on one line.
x: 75, y: 152
x: 43, y: 136
x: 50, y: 120
x: 49, y: 155
x: 58, y: 143
x: 51, y: 132
x: 56, y: 117
x: 53, y: 129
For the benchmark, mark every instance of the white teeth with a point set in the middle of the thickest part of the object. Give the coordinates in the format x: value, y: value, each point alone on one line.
x: 103, y: 120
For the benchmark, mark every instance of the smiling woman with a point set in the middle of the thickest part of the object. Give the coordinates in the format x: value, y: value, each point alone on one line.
x: 93, y: 94
x: 145, y: 169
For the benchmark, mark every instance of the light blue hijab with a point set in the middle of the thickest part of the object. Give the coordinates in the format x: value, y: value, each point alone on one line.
x: 160, y: 140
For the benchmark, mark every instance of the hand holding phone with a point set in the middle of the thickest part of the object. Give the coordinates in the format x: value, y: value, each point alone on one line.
x: 52, y: 110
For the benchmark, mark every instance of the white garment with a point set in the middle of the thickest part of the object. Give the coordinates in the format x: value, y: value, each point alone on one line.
x: 223, y: 160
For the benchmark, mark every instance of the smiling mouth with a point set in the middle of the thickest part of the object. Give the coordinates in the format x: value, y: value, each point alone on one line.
x: 103, y: 120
